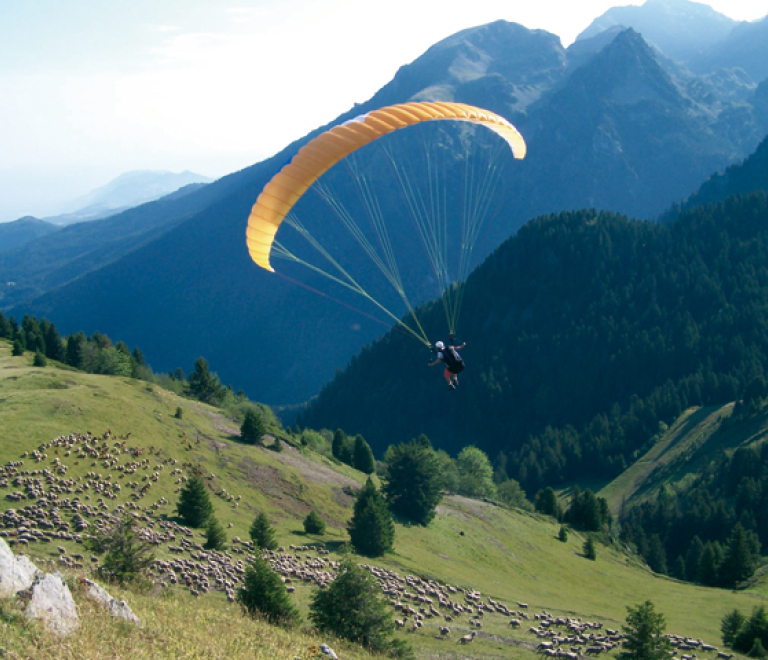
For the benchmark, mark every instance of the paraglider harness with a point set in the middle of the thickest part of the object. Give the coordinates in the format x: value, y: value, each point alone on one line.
x: 453, y: 361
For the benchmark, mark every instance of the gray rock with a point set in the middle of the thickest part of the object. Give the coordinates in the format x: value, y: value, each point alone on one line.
x: 16, y: 573
x: 52, y: 603
x: 117, y: 608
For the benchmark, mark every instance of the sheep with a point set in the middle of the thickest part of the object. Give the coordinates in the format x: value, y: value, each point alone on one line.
x: 444, y: 631
x: 466, y: 639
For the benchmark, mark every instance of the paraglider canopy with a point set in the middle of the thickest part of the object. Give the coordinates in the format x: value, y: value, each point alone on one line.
x: 327, y: 149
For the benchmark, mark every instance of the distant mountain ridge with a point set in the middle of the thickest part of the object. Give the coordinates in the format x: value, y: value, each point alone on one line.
x: 23, y: 230
x: 609, y: 125
x: 127, y: 191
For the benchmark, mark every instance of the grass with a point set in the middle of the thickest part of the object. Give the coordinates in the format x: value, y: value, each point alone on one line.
x: 508, y: 555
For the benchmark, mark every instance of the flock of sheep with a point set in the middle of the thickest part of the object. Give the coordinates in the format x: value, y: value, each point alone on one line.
x: 60, y: 508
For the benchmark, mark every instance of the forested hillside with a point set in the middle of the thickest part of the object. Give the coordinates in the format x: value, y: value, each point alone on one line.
x: 585, y: 331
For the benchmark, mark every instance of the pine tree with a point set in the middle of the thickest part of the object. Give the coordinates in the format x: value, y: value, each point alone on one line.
x: 413, y: 486
x: 338, y: 444
x: 204, y: 385
x: 738, y: 563
x: 548, y: 504
x: 755, y: 628
x: 563, y: 533
x: 194, y: 505
x: 253, y: 428
x: 644, y: 632
x: 589, y: 549
x: 371, y: 531
x: 40, y: 360
x: 262, y: 533
x: 263, y: 592
x: 18, y: 348
x: 363, y: 456
x: 730, y: 625
x: 657, y: 556
x: 128, y: 557
x: 707, y: 569
x: 352, y: 607
x: 313, y: 523
x: 215, y: 536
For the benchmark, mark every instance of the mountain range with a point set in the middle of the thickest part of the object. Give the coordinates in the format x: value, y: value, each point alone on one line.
x: 611, y: 123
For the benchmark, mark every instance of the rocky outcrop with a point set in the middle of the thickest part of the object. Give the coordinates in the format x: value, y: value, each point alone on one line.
x: 16, y: 573
x: 52, y: 603
x: 117, y: 608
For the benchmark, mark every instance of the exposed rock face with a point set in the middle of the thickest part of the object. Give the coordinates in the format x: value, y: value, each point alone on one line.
x: 53, y: 604
x: 117, y: 608
x: 16, y: 573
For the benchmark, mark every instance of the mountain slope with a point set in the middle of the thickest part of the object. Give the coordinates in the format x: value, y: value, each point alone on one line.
x: 615, y: 133
x: 22, y: 231
x: 584, y: 331
x: 682, y: 29
x: 508, y: 555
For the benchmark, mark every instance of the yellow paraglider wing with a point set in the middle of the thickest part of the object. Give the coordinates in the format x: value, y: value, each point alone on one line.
x: 327, y: 149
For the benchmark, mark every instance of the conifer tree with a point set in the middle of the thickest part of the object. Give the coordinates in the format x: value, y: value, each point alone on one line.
x: 589, y: 549
x: 563, y: 533
x: 730, y: 625
x: 194, y: 505
x: 548, y: 504
x: 313, y: 523
x: 644, y: 632
x: 204, y: 385
x: 413, y: 487
x: 262, y: 533
x: 371, y: 531
x: 752, y: 630
x: 363, y: 456
x: 18, y: 348
x: 338, y: 443
x: 215, y: 536
x: 352, y: 607
x: 738, y: 562
x: 264, y: 592
x: 252, y: 430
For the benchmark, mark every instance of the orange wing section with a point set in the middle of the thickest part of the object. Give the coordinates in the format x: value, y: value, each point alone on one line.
x: 323, y: 152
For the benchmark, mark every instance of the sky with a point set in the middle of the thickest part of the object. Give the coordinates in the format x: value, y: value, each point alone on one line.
x: 92, y: 89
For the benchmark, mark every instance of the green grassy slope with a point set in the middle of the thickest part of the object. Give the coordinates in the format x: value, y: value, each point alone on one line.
x: 509, y: 556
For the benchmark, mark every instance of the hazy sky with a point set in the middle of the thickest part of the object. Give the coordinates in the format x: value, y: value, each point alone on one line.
x: 91, y: 89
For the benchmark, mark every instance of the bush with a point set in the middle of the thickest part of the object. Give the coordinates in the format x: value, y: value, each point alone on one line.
x: 353, y: 607
x: 253, y: 429
x: 262, y: 533
x: 18, y: 349
x: 263, y: 592
x: 215, y: 536
x: 413, y: 487
x: 589, y: 549
x: 314, y: 524
x: 40, y: 360
x: 563, y: 534
x: 127, y: 557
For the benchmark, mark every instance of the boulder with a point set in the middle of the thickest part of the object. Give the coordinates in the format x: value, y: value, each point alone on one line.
x: 52, y: 603
x: 117, y: 608
x: 16, y: 573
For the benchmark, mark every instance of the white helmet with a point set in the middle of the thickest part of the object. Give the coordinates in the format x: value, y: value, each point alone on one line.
x: 439, y: 346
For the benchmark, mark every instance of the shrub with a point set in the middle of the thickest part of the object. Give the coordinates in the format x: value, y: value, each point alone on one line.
x: 313, y: 523
x: 352, y: 607
x: 127, y: 557
x: 563, y: 534
x: 262, y: 533
x: 40, y: 360
x: 253, y: 429
x: 263, y: 592
x: 589, y: 549
x: 215, y: 536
